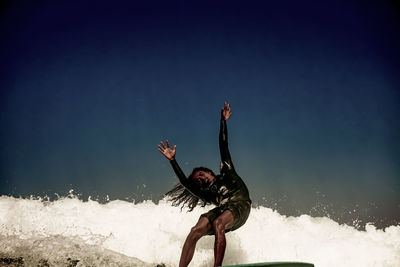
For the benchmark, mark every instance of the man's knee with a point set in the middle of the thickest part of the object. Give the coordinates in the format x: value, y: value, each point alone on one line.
x: 198, y: 231
x: 223, y: 222
x: 218, y: 226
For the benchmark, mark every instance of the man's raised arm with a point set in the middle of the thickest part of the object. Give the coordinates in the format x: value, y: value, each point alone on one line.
x: 170, y: 153
x: 226, y: 160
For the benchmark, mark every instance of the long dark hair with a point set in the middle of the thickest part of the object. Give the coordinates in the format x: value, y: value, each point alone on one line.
x: 180, y: 195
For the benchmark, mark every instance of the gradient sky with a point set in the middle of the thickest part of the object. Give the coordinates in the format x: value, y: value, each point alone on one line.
x: 89, y: 89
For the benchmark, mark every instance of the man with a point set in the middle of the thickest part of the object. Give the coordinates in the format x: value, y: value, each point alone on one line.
x: 227, y: 191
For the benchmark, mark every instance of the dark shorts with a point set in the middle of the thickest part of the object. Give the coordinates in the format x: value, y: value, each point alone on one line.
x: 240, y: 211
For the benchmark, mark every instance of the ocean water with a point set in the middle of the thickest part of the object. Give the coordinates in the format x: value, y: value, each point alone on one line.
x: 72, y: 232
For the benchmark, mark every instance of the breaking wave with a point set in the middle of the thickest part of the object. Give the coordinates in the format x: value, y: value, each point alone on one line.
x: 72, y: 232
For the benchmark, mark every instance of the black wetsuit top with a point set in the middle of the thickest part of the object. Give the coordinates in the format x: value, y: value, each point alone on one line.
x: 228, y: 186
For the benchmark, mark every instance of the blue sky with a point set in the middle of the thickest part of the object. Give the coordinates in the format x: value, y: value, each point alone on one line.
x: 88, y: 91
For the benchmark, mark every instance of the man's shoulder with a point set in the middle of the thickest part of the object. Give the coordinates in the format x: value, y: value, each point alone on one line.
x: 228, y: 174
x: 226, y: 166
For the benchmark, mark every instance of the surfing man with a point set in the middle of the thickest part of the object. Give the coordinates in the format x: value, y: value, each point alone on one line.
x: 227, y: 191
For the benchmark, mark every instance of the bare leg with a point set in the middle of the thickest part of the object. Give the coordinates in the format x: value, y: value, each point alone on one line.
x: 220, y: 224
x: 199, y: 230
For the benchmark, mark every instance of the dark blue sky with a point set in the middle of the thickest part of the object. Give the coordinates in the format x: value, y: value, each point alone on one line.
x: 89, y: 89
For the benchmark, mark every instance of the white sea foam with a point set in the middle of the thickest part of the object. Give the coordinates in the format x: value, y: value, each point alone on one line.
x: 122, y: 233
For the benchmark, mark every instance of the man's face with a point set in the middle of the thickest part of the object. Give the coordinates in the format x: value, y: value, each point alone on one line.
x: 203, y: 178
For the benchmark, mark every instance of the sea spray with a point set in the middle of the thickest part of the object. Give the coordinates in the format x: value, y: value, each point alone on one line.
x: 121, y: 233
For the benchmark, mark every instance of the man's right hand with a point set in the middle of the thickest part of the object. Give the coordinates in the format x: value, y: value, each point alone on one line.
x: 167, y: 151
x: 226, y: 111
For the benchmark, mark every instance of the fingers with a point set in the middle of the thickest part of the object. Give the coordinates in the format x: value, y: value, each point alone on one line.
x: 226, y: 110
x: 162, y: 147
x: 226, y: 106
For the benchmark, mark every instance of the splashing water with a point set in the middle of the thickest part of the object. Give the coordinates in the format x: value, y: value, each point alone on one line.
x: 71, y: 232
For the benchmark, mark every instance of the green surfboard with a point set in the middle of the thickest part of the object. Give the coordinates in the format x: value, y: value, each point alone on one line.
x: 274, y: 264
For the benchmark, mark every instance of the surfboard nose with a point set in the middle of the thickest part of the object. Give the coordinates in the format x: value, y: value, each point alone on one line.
x: 273, y: 264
